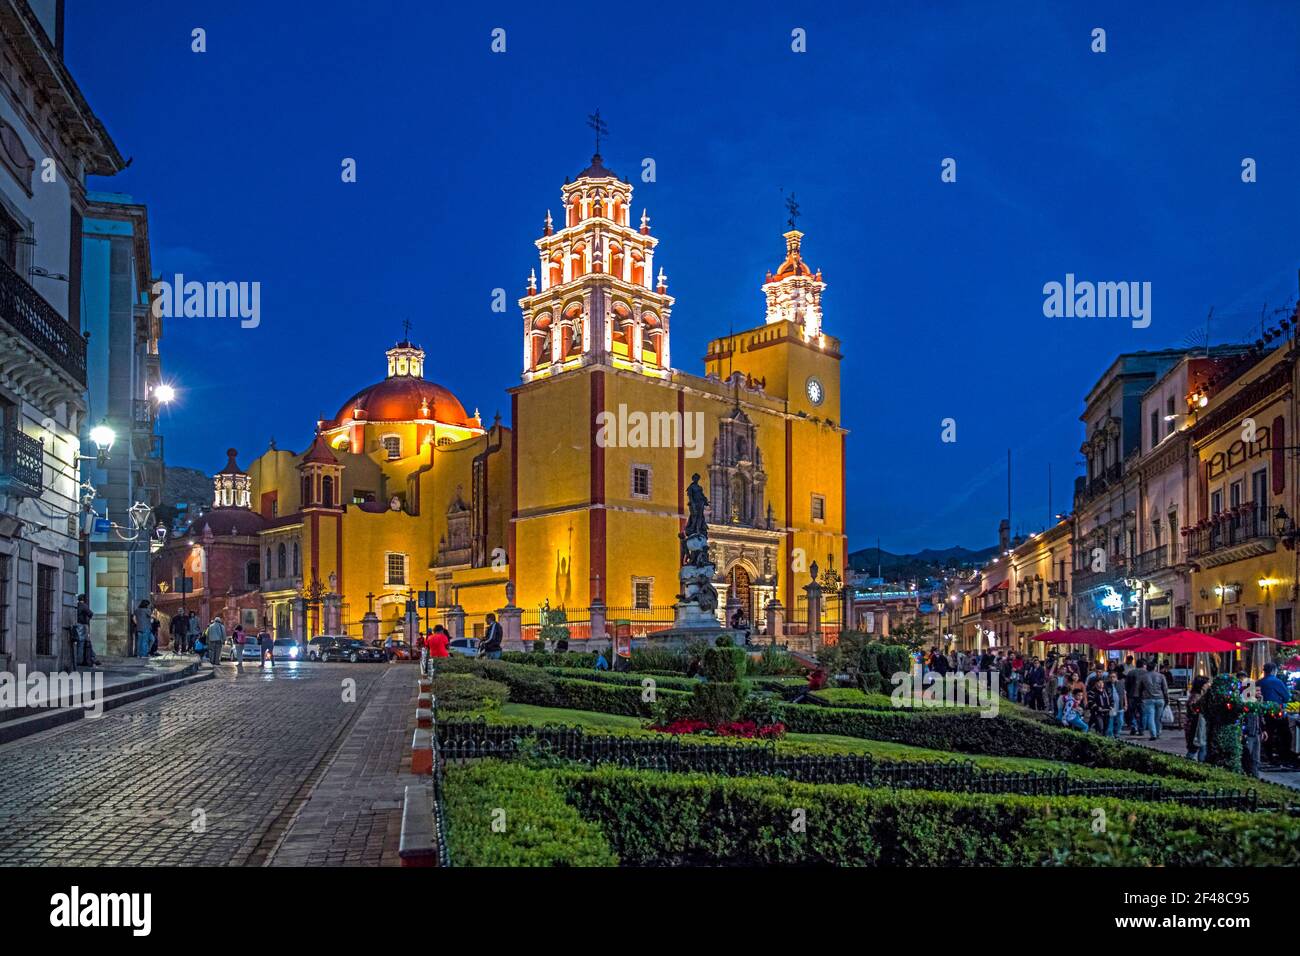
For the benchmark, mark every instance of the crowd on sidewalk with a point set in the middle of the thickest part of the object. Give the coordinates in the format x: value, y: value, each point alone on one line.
x: 1111, y: 699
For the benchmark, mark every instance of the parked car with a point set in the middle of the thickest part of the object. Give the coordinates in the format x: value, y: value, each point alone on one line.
x: 285, y: 649
x: 466, y: 646
x: 398, y: 650
x: 351, y: 649
x: 316, y: 643
x: 252, y: 649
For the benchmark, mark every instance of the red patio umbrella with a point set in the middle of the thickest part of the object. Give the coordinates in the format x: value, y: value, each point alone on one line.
x: 1133, y: 637
x: 1081, y: 635
x: 1239, y: 635
x: 1185, y: 642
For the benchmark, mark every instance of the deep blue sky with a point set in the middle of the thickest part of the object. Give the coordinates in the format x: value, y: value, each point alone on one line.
x: 1116, y: 166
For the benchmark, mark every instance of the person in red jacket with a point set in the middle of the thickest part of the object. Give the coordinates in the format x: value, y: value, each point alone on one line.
x: 436, y: 642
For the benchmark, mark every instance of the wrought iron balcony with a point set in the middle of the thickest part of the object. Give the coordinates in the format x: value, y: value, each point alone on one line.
x: 1231, y: 536
x: 28, y: 314
x: 1148, y: 562
x: 22, y: 460
x: 1086, y: 579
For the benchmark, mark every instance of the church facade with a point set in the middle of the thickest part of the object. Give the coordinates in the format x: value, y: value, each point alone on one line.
x: 582, y: 498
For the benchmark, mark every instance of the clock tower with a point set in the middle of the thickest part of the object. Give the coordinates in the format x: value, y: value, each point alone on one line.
x: 790, y: 353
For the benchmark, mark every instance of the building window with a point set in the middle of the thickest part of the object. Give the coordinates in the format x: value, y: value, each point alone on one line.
x: 306, y: 490
x: 393, y: 445
x: 1234, y: 494
x: 1155, y: 427
x: 395, y: 570
x: 640, y: 481
x: 295, y: 559
x: 280, y: 561
x: 6, y: 567
x: 253, y: 574
x: 45, y: 607
x: 1216, y: 502
x: 1171, y: 417
x: 819, y: 507
x: 642, y: 593
x: 1259, y: 490
x: 327, y: 491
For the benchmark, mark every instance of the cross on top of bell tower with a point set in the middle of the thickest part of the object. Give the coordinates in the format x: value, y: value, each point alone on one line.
x: 406, y: 358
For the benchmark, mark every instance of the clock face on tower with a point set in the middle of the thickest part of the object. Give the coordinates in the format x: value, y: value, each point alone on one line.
x: 815, y: 391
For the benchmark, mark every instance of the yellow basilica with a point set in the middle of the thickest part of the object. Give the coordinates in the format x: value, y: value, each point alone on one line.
x: 580, y: 501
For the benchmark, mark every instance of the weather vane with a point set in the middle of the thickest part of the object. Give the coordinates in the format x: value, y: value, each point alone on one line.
x: 793, y: 208
x: 598, y: 125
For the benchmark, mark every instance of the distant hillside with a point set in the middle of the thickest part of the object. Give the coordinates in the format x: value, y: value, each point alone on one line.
x: 920, y: 564
x: 186, y: 484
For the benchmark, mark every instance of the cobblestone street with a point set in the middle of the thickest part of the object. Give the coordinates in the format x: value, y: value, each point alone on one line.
x: 215, y: 773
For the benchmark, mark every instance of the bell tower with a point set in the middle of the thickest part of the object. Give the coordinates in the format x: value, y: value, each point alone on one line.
x: 595, y: 298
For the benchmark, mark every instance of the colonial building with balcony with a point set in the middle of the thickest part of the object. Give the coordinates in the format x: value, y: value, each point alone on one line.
x: 1240, y: 547
x: 124, y: 377
x: 1040, y: 588
x: 1106, y: 498
x: 49, y: 141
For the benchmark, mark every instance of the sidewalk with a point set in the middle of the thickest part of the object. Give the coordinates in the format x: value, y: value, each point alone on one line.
x: 1173, y: 742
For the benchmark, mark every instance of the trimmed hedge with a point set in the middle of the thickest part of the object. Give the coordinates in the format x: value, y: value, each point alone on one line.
x: 852, y: 698
x: 550, y: 659
x: 658, y: 819
x: 529, y: 685
x: 537, y: 827
x: 661, y: 681
x: 454, y: 692
x: 965, y: 731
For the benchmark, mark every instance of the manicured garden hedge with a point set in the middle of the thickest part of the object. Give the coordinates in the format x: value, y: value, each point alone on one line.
x: 663, y: 681
x: 536, y: 826
x: 550, y: 659
x: 658, y: 819
x: 457, y: 692
x: 1002, y: 736
x: 852, y: 698
x: 531, y: 685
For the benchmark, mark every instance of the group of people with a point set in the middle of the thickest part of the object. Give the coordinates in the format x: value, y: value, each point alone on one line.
x: 436, y: 641
x: 211, y: 642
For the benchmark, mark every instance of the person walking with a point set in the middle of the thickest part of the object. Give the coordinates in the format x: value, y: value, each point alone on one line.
x: 1118, y: 702
x: 85, y: 650
x: 143, y: 626
x: 194, y: 630
x: 240, y: 639
x: 1194, y: 725
x: 177, y: 628
x: 216, y: 636
x: 436, y: 643
x: 155, y: 626
x: 1132, y: 678
x: 491, y: 643
x: 267, y: 646
x: 1153, y: 690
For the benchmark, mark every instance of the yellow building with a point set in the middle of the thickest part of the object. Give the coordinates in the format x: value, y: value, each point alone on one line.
x: 1241, y: 548
x: 583, y: 497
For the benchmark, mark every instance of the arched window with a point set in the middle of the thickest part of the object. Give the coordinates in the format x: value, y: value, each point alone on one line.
x: 295, y: 559
x: 280, y: 561
x: 306, y: 490
x: 253, y: 574
x: 327, y: 491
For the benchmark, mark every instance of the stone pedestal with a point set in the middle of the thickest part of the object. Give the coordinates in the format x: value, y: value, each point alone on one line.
x: 511, y: 619
x: 456, y: 621
x: 814, y: 592
x: 370, y: 627
x: 775, y: 621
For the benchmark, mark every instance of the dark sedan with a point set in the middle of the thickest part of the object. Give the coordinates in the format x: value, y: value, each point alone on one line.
x: 350, y: 649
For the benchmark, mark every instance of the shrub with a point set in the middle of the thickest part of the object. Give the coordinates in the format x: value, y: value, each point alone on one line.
x: 454, y: 692
x: 658, y: 659
x: 718, y: 703
x: 851, y: 697
x: 670, y: 682
x: 541, y: 829
x: 724, y: 640
x: 774, y: 662
x: 658, y: 819
x: 724, y: 664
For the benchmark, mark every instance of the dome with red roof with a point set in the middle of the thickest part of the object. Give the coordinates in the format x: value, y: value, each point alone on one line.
x: 405, y: 395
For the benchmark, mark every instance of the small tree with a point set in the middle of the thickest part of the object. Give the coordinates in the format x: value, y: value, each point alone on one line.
x: 913, y: 634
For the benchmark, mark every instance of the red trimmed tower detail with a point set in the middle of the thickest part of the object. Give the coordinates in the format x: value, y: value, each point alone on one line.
x: 794, y: 294
x: 598, y: 299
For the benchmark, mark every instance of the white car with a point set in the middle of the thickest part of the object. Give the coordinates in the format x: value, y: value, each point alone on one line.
x: 252, y: 650
x: 465, y: 646
x: 285, y: 649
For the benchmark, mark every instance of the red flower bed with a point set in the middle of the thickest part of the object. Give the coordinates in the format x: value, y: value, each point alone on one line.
x: 737, y: 728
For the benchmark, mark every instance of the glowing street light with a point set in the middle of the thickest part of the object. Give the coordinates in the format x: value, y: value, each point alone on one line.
x: 103, y: 437
x: 164, y: 393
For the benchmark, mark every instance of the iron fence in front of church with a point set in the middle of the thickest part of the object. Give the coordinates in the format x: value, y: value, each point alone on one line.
x: 638, y: 621
x: 473, y: 739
